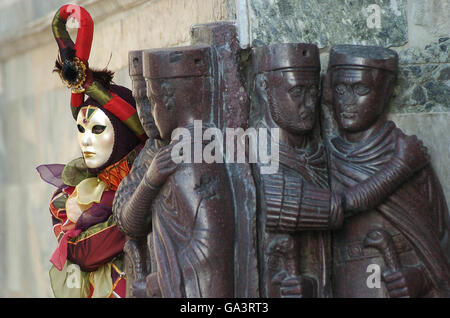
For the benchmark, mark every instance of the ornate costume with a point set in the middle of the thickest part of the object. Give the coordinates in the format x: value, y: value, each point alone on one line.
x: 88, y: 260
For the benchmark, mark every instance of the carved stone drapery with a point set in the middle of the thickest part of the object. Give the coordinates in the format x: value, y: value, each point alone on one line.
x: 291, y: 233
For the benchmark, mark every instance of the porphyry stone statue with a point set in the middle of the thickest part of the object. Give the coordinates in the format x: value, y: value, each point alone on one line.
x: 296, y: 206
x: 137, y: 258
x: 294, y: 260
x: 188, y: 205
x: 406, y: 233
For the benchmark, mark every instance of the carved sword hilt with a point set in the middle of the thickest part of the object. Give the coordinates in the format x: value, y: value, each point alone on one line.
x: 382, y: 241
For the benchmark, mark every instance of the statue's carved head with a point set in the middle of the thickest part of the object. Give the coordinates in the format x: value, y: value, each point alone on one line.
x: 178, y: 86
x: 139, y: 89
x: 361, y: 84
x: 288, y: 79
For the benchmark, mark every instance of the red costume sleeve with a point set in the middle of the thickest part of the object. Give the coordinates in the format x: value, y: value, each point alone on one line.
x: 93, y: 247
x: 96, y: 246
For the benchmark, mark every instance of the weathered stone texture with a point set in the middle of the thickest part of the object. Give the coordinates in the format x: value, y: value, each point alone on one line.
x: 427, y: 21
x: 328, y: 22
x: 424, y: 79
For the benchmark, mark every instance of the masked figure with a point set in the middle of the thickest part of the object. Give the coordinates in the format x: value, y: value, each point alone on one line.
x: 406, y: 233
x: 88, y: 259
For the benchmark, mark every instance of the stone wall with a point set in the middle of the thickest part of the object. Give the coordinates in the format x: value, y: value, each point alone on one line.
x: 36, y: 125
x: 418, y: 30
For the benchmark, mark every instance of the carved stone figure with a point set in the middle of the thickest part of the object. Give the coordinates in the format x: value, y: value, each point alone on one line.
x: 294, y: 260
x: 231, y: 111
x: 405, y: 233
x: 187, y: 206
x: 136, y: 253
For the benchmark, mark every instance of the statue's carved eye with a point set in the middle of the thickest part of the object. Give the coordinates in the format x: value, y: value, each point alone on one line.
x: 167, y: 89
x: 340, y: 89
x: 296, y: 91
x: 98, y: 129
x: 80, y: 128
x: 313, y: 90
x: 361, y: 89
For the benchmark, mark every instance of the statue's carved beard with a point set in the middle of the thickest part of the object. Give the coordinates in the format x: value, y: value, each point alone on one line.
x: 293, y: 124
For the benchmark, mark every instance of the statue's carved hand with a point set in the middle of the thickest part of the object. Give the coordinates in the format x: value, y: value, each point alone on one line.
x: 412, y: 151
x: 297, y: 287
x: 138, y: 289
x: 161, y: 167
x: 152, y: 286
x: 407, y: 282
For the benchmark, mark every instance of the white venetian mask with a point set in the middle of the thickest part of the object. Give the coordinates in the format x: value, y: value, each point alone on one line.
x: 95, y: 136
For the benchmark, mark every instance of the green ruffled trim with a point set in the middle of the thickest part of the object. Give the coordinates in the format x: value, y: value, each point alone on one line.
x: 94, y: 230
x: 102, y: 281
x: 70, y: 282
x: 76, y: 171
x: 60, y: 203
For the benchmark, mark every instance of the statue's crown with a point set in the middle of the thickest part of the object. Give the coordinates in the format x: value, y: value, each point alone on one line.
x: 135, y: 62
x: 285, y: 55
x: 363, y: 56
x: 188, y: 61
